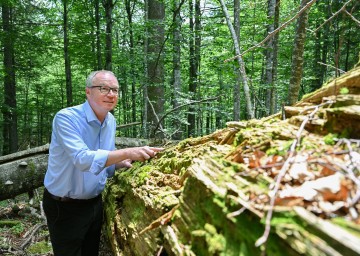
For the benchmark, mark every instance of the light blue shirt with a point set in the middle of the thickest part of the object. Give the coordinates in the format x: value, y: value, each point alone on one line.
x: 79, y: 149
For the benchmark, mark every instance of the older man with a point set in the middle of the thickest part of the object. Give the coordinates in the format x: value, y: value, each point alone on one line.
x: 82, y: 156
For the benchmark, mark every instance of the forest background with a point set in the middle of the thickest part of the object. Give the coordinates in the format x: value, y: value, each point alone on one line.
x: 185, y: 68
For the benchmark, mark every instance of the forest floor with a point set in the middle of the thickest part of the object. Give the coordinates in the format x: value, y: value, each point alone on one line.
x: 23, y: 229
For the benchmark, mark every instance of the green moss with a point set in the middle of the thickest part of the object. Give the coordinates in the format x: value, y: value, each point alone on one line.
x: 9, y: 223
x: 39, y: 248
x: 329, y: 139
x: 344, y: 90
x: 215, y: 241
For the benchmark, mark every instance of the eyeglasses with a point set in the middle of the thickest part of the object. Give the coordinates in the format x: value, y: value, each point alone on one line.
x: 106, y: 90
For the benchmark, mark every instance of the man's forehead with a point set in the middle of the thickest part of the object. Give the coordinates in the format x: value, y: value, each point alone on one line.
x: 106, y: 79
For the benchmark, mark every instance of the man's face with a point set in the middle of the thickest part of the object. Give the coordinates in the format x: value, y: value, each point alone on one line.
x: 103, y: 95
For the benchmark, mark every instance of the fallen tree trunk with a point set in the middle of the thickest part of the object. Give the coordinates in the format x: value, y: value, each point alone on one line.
x: 272, y: 186
x: 21, y: 176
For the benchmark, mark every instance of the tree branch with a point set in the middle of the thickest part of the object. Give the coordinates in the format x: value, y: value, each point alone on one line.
x: 181, y: 106
x: 275, y: 31
x: 352, y: 17
x: 334, y: 15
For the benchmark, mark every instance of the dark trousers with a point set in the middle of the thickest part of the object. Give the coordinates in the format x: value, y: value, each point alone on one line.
x: 74, y: 226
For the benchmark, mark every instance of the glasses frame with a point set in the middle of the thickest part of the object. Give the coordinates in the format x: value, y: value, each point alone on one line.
x: 106, y: 90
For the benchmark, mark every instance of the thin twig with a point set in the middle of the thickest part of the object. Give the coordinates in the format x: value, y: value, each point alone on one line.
x: 338, y: 69
x: 156, y: 116
x: 282, y: 173
x: 35, y: 229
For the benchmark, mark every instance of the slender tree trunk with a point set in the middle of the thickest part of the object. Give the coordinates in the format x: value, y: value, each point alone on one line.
x: 269, y: 74
x: 197, y: 63
x: 192, y: 70
x: 194, y: 58
x: 298, y: 55
x: 108, y: 5
x: 129, y: 11
x: 9, y: 109
x: 176, y: 76
x: 273, y: 97
x: 145, y: 130
x: 69, y: 97
x: 98, y: 39
x: 249, y: 107
x: 156, y: 15
x: 236, y: 94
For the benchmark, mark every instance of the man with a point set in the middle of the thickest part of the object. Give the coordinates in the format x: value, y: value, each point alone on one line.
x: 82, y: 156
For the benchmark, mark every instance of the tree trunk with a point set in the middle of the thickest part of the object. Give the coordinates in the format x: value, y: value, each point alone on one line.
x: 108, y: 5
x: 249, y: 107
x: 69, y: 97
x: 176, y: 76
x: 269, y: 60
x: 298, y: 54
x: 155, y: 74
x: 10, y: 135
x: 194, y: 62
x: 129, y: 11
x: 98, y: 38
x: 237, y: 106
x: 23, y: 171
x: 145, y: 108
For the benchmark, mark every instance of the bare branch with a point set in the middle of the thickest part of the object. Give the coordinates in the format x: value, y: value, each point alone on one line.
x: 334, y: 15
x: 181, y: 106
x: 328, y: 65
x: 283, y: 171
x: 275, y: 31
x: 352, y: 17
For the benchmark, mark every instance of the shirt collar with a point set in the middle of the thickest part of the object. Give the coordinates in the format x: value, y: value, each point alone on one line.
x: 90, y: 114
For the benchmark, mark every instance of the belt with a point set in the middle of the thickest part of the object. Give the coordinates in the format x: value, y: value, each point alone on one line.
x: 69, y: 199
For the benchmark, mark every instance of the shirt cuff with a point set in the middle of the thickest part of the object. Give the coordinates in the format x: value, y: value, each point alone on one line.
x: 99, y: 161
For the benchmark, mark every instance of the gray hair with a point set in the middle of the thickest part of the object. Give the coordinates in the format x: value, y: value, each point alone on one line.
x: 90, y: 78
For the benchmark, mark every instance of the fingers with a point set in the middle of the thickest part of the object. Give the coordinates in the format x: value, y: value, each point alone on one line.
x: 156, y: 149
x: 149, y: 152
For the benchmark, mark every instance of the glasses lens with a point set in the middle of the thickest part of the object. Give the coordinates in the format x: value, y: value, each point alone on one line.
x: 106, y: 90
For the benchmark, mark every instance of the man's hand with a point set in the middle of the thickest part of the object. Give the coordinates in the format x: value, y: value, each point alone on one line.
x: 143, y: 153
x: 124, y: 157
x: 124, y: 164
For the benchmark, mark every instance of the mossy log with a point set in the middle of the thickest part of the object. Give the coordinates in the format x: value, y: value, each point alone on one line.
x: 212, y: 195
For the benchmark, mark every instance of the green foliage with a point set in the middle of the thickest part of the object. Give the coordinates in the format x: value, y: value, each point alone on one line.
x: 40, y: 76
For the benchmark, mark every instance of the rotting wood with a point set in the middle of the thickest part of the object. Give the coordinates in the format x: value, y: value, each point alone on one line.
x: 227, y: 179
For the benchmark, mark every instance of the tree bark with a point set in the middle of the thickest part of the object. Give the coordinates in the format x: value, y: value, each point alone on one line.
x: 98, y: 38
x: 22, y: 171
x: 129, y: 6
x: 108, y: 5
x: 236, y: 94
x: 193, y: 68
x: 176, y: 76
x: 249, y: 107
x: 155, y: 65
x: 69, y: 97
x: 10, y: 135
x: 298, y: 54
x: 270, y: 57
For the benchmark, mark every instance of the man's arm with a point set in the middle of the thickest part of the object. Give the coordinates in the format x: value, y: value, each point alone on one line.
x: 134, y: 154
